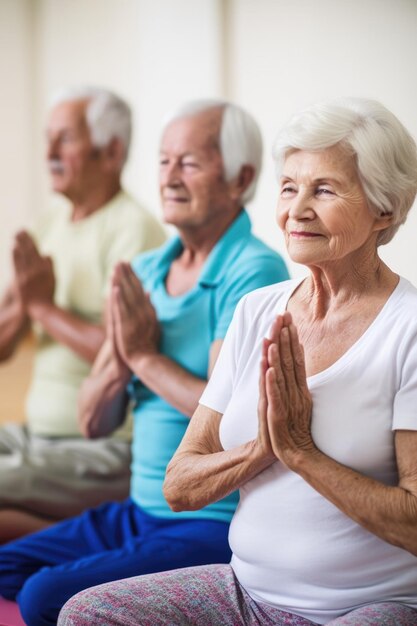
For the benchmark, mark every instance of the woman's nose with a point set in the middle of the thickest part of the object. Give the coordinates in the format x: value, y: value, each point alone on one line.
x: 301, y: 206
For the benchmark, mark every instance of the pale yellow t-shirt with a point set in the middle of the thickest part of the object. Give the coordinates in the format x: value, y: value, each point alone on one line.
x: 84, y: 254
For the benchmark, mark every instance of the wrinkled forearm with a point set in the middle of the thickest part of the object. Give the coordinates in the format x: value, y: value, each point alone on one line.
x: 386, y: 511
x: 170, y: 381
x: 82, y: 337
x: 195, y: 479
x: 102, y: 403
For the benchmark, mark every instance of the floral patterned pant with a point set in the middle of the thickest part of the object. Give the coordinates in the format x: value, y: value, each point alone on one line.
x: 201, y: 596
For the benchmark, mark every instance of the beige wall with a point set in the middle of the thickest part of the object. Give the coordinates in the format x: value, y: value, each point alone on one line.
x: 17, y: 121
x: 273, y: 56
x: 287, y: 54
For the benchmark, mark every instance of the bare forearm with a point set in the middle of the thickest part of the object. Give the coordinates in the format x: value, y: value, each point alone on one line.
x: 195, y: 480
x: 102, y: 403
x: 170, y: 381
x: 388, y: 512
x: 12, y: 327
x: 84, y: 338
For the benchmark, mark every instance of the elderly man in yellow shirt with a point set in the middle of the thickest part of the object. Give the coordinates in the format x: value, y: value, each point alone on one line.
x: 47, y: 469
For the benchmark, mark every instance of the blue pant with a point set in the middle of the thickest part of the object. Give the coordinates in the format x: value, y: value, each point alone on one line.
x: 118, y: 540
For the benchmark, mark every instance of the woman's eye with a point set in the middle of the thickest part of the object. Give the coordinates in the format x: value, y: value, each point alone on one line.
x: 287, y: 190
x: 323, y: 191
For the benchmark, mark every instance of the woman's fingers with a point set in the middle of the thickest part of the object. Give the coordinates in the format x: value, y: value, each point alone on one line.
x: 274, y: 362
x: 276, y: 328
x: 288, y: 401
x: 273, y: 394
x: 264, y: 361
x: 262, y: 371
x: 279, y: 354
x: 276, y: 411
x: 287, y: 362
x: 264, y: 440
x: 298, y: 357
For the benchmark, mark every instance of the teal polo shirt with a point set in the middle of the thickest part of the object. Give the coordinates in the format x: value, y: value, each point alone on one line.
x: 189, y: 323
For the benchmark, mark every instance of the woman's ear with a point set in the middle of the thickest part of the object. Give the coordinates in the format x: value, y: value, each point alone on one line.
x: 383, y: 221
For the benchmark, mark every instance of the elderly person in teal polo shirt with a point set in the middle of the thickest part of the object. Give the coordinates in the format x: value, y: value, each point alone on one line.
x: 167, y: 316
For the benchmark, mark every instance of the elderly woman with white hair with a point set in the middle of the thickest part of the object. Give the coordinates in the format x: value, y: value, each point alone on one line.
x: 311, y: 410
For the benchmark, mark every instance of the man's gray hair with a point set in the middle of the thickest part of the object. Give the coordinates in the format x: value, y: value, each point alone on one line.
x: 385, y: 152
x: 107, y: 115
x: 240, y: 139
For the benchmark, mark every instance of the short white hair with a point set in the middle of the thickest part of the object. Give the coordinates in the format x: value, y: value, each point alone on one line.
x: 107, y: 115
x: 240, y: 139
x: 385, y: 152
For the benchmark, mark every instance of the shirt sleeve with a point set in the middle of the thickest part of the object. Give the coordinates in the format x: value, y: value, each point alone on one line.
x: 405, y: 401
x: 260, y: 273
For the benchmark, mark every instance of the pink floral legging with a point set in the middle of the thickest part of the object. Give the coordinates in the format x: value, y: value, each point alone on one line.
x: 209, y: 595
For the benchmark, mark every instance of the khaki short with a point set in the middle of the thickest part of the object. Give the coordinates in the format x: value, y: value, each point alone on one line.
x: 60, y: 478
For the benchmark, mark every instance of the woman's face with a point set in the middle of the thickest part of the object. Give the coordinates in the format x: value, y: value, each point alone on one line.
x: 322, y: 208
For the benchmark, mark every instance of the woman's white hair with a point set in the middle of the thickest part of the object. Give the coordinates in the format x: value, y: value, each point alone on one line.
x: 240, y: 140
x: 385, y: 152
x: 107, y: 115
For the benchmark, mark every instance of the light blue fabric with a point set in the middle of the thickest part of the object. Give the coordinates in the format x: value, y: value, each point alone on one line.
x: 239, y: 263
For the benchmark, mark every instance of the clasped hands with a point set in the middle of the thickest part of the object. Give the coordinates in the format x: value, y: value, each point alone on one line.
x: 34, y: 275
x: 131, y: 325
x: 285, y: 405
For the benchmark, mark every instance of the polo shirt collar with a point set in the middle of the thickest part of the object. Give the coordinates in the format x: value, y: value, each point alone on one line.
x: 227, y: 248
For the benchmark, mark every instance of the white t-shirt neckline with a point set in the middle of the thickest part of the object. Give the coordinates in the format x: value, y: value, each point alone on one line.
x: 343, y: 361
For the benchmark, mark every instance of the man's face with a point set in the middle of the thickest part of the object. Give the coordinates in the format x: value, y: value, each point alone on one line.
x: 192, y: 186
x: 74, y: 164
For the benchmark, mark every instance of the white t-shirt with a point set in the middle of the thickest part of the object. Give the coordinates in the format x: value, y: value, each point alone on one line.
x: 292, y: 548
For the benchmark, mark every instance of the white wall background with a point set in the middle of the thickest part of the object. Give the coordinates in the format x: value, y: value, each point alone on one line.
x: 17, y: 121
x: 272, y: 56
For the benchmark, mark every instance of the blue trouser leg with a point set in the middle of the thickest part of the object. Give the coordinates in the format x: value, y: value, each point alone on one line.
x: 106, y: 527
x: 118, y: 542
